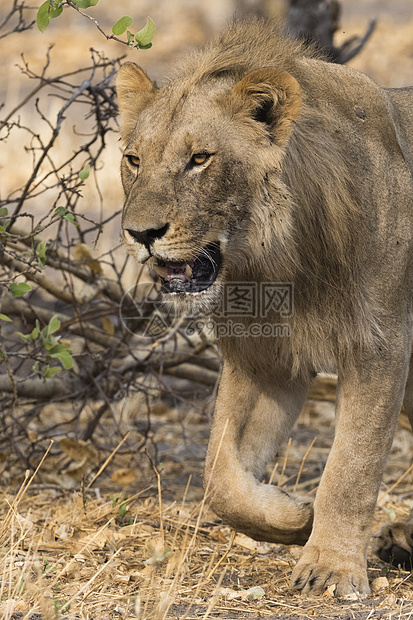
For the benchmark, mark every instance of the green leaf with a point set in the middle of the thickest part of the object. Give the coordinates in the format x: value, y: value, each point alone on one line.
x: 43, y: 17
x: 35, y: 333
x: 46, y: 12
x: 41, y: 254
x: 85, y: 4
x: 131, y: 39
x: 115, y: 499
x: 123, y: 509
x: 84, y: 173
x: 145, y: 36
x: 63, y: 354
x: 254, y: 592
x: 53, y: 326
x: 4, y: 211
x: 122, y: 25
x: 50, y: 371
x: 60, y: 211
x: 29, y: 337
x: 3, y: 317
x: 145, y: 47
x: 70, y: 218
x: 18, y: 289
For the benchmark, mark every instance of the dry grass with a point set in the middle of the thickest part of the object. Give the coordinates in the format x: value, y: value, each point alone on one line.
x: 159, y: 553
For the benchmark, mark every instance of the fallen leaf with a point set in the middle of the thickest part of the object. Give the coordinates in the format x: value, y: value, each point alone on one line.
x: 32, y: 435
x: 245, y: 541
x: 81, y: 253
x: 330, y: 590
x: 124, y: 476
x: 228, y: 593
x: 107, y: 325
x: 250, y: 594
x: 63, y: 531
x: 389, y: 601
x: 379, y: 583
x: 93, y: 541
x: 78, y: 469
x: 255, y: 592
x: 79, y: 450
x: 219, y: 536
x: 390, y: 512
x: 157, y: 551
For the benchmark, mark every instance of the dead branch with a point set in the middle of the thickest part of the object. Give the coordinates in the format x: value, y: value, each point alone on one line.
x: 109, y: 362
x: 193, y: 373
x: 16, y: 12
x: 36, y: 389
x: 356, y: 43
x: 75, y: 324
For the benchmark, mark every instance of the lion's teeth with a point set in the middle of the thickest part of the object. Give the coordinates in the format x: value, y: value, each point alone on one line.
x: 188, y: 272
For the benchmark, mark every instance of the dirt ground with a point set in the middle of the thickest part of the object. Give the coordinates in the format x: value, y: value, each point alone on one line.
x: 139, y: 541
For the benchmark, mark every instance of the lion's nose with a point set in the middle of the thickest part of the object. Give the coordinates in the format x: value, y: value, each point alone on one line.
x: 147, y: 237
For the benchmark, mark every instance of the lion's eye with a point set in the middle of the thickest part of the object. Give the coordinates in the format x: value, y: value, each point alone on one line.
x: 134, y: 161
x: 199, y: 158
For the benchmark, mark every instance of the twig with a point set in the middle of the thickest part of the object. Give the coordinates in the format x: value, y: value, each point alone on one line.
x: 28, y: 271
x: 231, y: 542
x: 302, y: 463
x: 106, y: 463
x: 346, y: 57
x: 92, y: 19
x: 285, y: 462
x: 23, y: 489
x: 274, y: 469
x: 60, y: 117
x: 75, y: 324
x: 9, y: 373
x: 161, y: 525
x: 393, y: 486
x: 21, y: 25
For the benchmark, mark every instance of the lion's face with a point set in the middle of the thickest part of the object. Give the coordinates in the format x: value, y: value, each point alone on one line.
x: 192, y: 169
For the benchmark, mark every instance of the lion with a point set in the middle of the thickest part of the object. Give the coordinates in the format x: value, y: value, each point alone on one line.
x: 260, y: 164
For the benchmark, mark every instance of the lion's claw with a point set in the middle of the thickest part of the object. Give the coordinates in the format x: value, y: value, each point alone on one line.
x: 315, y: 577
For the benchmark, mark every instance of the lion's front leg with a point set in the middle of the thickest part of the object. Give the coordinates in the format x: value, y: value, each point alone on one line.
x: 251, y: 420
x: 368, y: 406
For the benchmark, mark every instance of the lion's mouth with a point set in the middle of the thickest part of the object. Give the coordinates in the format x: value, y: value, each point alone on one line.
x: 190, y: 276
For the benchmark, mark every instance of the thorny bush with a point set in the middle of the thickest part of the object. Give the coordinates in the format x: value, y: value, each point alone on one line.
x: 70, y: 317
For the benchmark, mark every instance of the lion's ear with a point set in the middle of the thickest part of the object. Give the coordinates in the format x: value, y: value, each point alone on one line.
x: 135, y: 91
x: 269, y: 96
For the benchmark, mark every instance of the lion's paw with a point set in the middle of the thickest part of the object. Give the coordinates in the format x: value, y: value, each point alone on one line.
x: 314, y: 578
x: 393, y: 543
